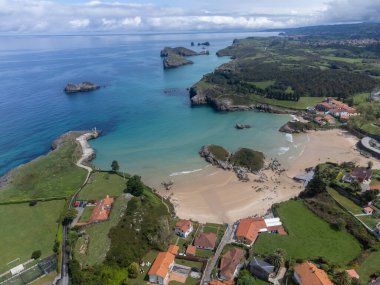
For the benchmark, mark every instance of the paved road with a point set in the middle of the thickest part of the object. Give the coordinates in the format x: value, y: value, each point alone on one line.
x: 212, y: 263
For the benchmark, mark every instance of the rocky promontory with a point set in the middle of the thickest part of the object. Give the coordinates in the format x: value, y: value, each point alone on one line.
x: 242, y: 162
x: 81, y: 87
x: 295, y: 127
x: 174, y: 57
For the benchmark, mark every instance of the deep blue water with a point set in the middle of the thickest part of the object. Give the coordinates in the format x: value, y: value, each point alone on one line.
x: 148, y: 131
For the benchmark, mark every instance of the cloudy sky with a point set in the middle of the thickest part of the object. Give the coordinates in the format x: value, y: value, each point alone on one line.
x: 129, y: 16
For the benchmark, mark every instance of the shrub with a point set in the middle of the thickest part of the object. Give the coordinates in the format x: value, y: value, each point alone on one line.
x: 251, y: 159
x: 135, y: 186
x: 32, y: 203
x: 133, y: 270
x: 36, y: 254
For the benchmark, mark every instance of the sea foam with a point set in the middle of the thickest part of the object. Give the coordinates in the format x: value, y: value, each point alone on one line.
x: 185, y: 172
x: 283, y: 150
x: 289, y: 137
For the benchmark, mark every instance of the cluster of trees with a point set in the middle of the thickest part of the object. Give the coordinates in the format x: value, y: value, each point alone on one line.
x: 304, y: 80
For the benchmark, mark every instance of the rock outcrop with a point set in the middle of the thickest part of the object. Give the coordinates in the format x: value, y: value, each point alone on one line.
x: 220, y: 157
x: 295, y: 127
x: 242, y: 126
x: 174, y: 57
x: 81, y: 87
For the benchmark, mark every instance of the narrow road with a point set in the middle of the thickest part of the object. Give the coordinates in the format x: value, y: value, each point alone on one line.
x: 87, y: 153
x: 228, y: 234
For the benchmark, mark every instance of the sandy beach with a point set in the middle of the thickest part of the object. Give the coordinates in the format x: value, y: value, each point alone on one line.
x: 215, y: 195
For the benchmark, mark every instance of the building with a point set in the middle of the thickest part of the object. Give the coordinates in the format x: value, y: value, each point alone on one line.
x: 329, y: 119
x: 319, y: 120
x: 229, y: 263
x: 102, y: 210
x: 261, y: 269
x: 374, y: 96
x: 375, y: 187
x: 352, y: 273
x: 191, y: 250
x: 336, y: 108
x: 183, y: 228
x: 205, y: 241
x: 308, y: 274
x: 360, y: 174
x: 249, y: 228
x: 161, y: 267
x: 368, y: 210
x: 173, y: 249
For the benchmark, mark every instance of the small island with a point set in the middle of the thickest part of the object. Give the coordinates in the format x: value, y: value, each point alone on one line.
x: 239, y: 126
x: 243, y: 161
x: 81, y: 87
x: 174, y: 57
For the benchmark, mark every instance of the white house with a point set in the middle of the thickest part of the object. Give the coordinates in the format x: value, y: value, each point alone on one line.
x: 183, y: 228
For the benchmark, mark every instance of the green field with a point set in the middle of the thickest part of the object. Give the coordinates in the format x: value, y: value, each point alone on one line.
x: 346, y: 203
x: 98, y: 236
x: 263, y: 84
x: 25, y: 229
x: 85, y: 217
x: 371, y: 129
x: 188, y: 263
x: 360, y: 98
x: 308, y: 237
x: 370, y: 265
x: 301, y: 104
x: 343, y: 59
x: 370, y: 221
x: 102, y: 184
x: 53, y: 175
x: 204, y: 253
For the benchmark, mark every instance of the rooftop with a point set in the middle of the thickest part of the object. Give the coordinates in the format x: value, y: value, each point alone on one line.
x: 161, y: 265
x: 229, y: 261
x: 207, y: 240
x: 311, y: 274
x: 183, y: 225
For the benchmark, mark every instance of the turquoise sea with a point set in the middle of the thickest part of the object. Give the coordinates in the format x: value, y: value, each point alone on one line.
x: 144, y: 111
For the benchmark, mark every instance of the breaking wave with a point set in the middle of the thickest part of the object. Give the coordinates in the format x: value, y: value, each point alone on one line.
x: 185, y: 172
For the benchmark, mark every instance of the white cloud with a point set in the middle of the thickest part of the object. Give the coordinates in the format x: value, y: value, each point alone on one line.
x: 59, y: 16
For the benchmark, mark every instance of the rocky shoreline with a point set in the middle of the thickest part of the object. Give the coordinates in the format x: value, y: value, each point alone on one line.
x: 174, y: 57
x: 7, y: 177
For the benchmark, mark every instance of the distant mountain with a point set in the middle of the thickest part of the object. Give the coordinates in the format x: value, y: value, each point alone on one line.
x: 353, y: 31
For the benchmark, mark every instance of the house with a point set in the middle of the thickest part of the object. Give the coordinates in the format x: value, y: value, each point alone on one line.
x: 336, y: 108
x: 319, y: 120
x: 375, y: 187
x: 161, y: 267
x: 229, y: 263
x: 261, y: 269
x: 102, y: 210
x: 191, y: 250
x: 368, y: 210
x: 344, y: 118
x: 173, y: 249
x: 183, y: 228
x: 360, y: 174
x: 329, y: 119
x: 308, y: 274
x: 205, y: 241
x: 352, y: 273
x: 249, y: 228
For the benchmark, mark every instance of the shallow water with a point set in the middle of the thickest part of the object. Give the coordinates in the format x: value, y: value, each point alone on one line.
x: 148, y: 131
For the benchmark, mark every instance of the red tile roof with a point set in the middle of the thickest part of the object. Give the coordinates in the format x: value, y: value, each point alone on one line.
x: 229, y: 261
x: 375, y: 187
x: 311, y: 274
x: 183, y: 225
x: 249, y: 228
x: 206, y: 240
x: 368, y: 209
x: 191, y: 249
x: 162, y: 264
x: 173, y: 249
x: 102, y: 210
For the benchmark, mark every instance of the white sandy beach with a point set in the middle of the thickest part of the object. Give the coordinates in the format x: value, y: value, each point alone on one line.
x: 215, y: 195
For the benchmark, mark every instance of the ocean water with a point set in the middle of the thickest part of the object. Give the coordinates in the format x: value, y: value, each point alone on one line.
x: 144, y: 111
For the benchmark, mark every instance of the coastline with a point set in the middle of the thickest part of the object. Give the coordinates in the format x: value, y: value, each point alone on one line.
x: 215, y: 195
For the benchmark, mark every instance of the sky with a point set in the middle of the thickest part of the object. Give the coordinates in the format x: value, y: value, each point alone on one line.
x: 133, y: 16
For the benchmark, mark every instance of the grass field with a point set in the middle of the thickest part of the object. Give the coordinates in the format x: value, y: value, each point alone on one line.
x: 343, y: 59
x: 301, y: 104
x: 46, y: 280
x: 347, y: 203
x: 360, y: 98
x: 25, y: 229
x: 263, y: 84
x: 370, y: 265
x: 308, y: 237
x: 371, y: 129
x: 191, y: 264
x: 370, y: 221
x: 204, y: 253
x: 102, y: 184
x: 98, y: 236
x: 53, y: 175
x: 86, y: 214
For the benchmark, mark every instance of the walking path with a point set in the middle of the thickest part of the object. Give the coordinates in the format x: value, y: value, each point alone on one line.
x: 87, y: 154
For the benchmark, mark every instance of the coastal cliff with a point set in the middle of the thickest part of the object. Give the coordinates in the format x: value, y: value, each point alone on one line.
x: 81, y: 87
x: 174, y: 57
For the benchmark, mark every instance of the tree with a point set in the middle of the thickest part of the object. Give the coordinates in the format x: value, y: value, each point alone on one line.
x: 276, y: 259
x: 245, y: 278
x: 135, y: 186
x: 133, y: 270
x: 115, y: 166
x: 370, y: 164
x: 316, y: 185
x: 36, y: 254
x: 342, y: 278
x: 69, y: 216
